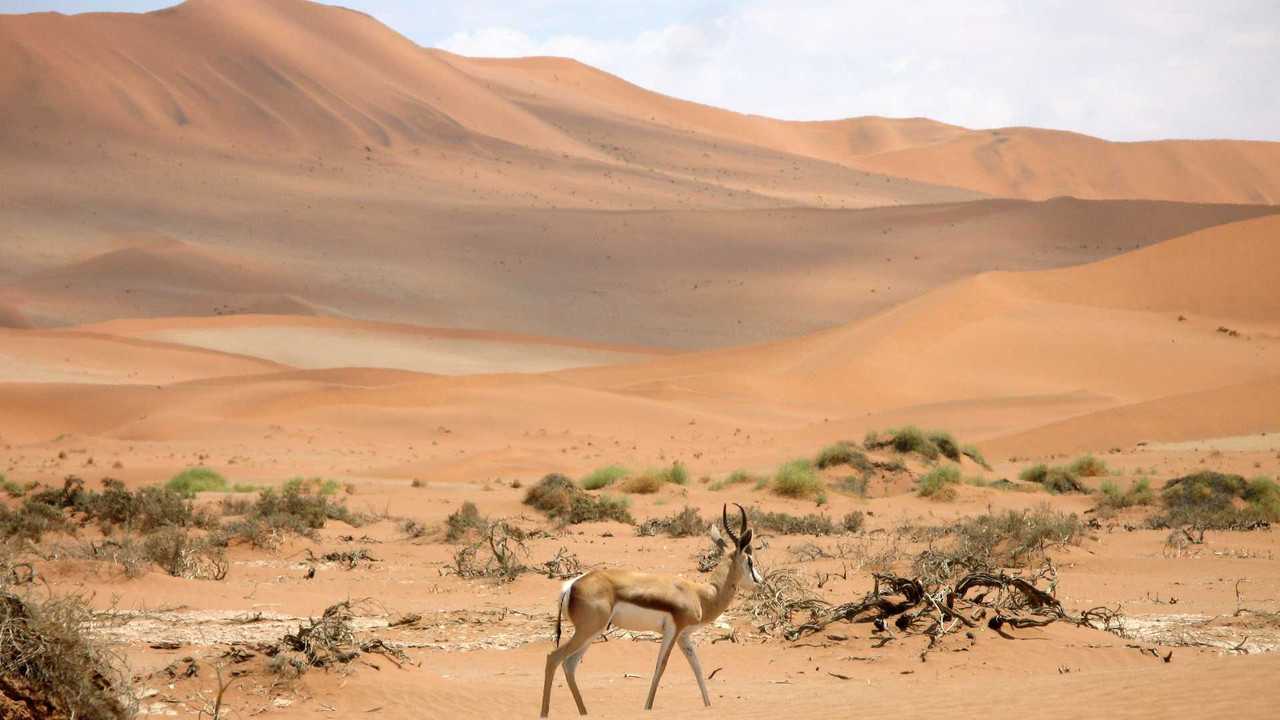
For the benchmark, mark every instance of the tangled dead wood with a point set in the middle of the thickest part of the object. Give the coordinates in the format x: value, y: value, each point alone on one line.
x: 934, y: 609
x: 328, y: 641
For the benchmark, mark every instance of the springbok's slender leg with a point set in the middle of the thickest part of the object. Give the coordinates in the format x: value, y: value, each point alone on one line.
x: 664, y: 654
x: 571, y: 666
x: 686, y: 646
x: 581, y: 638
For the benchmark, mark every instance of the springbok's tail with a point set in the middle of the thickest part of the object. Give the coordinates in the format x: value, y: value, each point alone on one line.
x: 563, y: 605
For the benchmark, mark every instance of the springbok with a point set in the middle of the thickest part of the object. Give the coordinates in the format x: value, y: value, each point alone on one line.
x: 640, y: 601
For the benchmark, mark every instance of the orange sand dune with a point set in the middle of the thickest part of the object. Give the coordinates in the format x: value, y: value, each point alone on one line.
x: 686, y: 279
x: 988, y: 354
x: 1033, y: 163
x: 289, y: 81
x: 1005, y: 162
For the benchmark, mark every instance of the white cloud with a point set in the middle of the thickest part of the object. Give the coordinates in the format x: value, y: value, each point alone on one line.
x: 1119, y: 70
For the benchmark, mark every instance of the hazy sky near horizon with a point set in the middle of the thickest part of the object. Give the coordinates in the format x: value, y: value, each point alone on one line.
x: 1127, y: 70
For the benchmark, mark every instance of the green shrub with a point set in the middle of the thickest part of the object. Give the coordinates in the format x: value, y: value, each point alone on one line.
x: 561, y: 499
x: 1211, y: 499
x: 1139, y: 493
x: 1264, y: 494
x: 11, y: 488
x: 787, y: 524
x: 737, y: 477
x: 1060, y: 481
x: 797, y: 479
x: 974, y: 454
x: 945, y: 444
x: 245, y: 488
x: 677, y: 474
x: 938, y: 484
x: 604, y: 476
x: 841, y: 453
x: 143, y: 510
x: 31, y: 521
x: 1034, y: 474
x: 912, y: 439
x: 311, y: 486
x: 464, y: 521
x: 196, y: 480
x: 1087, y: 466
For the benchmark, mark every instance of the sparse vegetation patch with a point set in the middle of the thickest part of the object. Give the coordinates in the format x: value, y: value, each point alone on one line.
x: 196, y: 480
x: 561, y: 499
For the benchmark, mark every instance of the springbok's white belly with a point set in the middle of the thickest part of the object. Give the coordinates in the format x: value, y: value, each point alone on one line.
x: 636, y: 618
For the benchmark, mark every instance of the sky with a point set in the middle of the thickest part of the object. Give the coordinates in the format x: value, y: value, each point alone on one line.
x: 1119, y: 69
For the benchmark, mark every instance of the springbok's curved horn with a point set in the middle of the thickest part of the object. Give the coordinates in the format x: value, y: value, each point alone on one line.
x: 744, y: 518
x: 724, y: 517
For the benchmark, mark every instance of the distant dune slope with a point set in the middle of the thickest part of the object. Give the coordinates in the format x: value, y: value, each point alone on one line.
x: 686, y: 279
x: 997, y: 355
x: 1005, y: 162
x: 290, y: 79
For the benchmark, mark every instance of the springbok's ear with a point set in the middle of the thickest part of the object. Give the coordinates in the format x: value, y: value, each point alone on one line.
x: 716, y: 537
x: 745, y: 542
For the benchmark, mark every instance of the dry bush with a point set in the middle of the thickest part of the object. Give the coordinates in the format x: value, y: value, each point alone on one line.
x: 464, y: 521
x: 181, y: 555
x: 852, y: 521
x: 300, y: 508
x: 326, y: 642
x: 49, y: 667
x: 564, y: 565
x: 685, y: 523
x: 974, y: 454
x: 773, y: 603
x: 642, y: 484
x: 498, y: 555
x: 561, y: 499
x: 1011, y: 538
x: 787, y: 524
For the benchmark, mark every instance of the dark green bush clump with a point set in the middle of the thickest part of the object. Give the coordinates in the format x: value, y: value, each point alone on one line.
x: 561, y: 499
x: 1219, y: 501
x: 945, y: 444
x: 842, y: 453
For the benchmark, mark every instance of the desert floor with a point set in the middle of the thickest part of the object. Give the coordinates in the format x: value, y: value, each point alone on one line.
x: 223, y: 246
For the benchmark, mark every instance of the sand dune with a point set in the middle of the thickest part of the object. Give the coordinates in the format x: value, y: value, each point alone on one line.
x: 315, y: 343
x: 284, y: 80
x: 686, y: 279
x: 995, y: 354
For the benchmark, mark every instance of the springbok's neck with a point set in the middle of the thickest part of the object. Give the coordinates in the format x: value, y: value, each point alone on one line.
x: 723, y: 586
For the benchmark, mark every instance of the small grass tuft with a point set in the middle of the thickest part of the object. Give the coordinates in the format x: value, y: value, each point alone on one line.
x: 787, y: 524
x: 798, y: 479
x: 1088, y: 466
x: 737, y: 477
x: 464, y: 521
x: 603, y: 477
x: 939, y: 483
x: 196, y: 480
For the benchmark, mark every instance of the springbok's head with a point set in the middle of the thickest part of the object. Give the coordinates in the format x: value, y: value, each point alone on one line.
x: 743, y: 564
